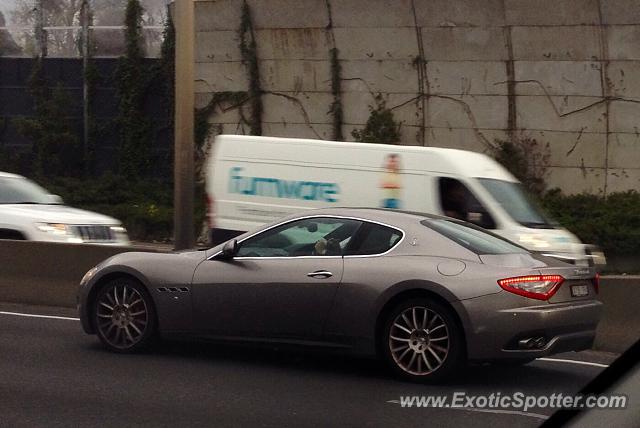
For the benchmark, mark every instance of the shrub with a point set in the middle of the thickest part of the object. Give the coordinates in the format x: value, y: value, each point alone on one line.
x: 381, y: 126
x: 613, y: 222
x: 145, y: 207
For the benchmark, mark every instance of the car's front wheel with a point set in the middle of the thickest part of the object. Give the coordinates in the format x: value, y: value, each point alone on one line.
x: 124, y: 316
x: 421, y: 341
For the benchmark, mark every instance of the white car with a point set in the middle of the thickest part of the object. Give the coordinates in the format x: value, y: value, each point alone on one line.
x: 29, y: 212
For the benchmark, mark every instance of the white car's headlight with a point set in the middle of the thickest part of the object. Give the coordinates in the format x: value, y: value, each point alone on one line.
x: 118, y: 229
x: 533, y: 241
x: 53, y: 228
x: 59, y: 229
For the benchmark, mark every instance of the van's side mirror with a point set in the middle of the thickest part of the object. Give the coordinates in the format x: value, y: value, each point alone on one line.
x: 230, y: 249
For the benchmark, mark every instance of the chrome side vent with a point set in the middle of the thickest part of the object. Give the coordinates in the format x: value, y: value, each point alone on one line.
x: 173, y: 289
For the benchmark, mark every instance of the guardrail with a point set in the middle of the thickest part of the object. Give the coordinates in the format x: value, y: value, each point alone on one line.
x: 41, y: 273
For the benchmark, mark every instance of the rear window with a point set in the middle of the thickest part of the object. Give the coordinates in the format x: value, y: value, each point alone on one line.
x: 374, y: 239
x: 473, y: 238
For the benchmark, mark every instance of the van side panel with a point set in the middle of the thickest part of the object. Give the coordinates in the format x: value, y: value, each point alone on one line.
x: 249, y: 194
x: 254, y: 180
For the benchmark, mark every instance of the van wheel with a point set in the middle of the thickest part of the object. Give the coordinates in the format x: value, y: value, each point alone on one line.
x: 421, y: 341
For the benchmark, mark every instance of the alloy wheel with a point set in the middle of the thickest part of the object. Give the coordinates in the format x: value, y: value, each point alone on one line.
x: 419, y: 340
x: 122, y: 316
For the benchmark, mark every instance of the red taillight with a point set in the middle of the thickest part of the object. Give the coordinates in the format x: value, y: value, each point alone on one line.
x: 540, y: 287
x: 596, y: 282
x: 210, y: 212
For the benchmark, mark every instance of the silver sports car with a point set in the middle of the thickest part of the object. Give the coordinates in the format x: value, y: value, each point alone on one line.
x: 424, y: 293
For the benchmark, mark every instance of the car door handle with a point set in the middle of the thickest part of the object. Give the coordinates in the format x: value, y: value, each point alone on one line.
x: 321, y: 274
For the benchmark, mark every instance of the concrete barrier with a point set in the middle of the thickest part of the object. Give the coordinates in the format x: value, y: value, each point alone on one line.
x: 620, y: 324
x: 40, y: 273
x: 43, y: 273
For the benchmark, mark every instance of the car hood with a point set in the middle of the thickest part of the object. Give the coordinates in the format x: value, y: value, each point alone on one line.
x: 56, y: 214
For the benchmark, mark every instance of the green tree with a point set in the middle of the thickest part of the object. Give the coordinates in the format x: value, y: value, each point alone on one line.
x: 381, y: 126
x: 132, y: 77
x: 55, y: 146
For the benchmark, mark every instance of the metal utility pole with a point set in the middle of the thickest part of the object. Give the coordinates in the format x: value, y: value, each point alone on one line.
x: 184, y: 179
x: 84, y: 21
x: 41, y: 33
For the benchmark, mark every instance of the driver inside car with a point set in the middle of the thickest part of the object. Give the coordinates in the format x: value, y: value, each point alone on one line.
x: 324, y: 247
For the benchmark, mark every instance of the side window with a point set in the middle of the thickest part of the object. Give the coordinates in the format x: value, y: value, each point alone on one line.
x: 457, y: 201
x: 374, y: 239
x: 318, y: 236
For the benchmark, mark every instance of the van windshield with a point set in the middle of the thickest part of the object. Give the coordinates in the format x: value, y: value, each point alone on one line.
x: 514, y: 201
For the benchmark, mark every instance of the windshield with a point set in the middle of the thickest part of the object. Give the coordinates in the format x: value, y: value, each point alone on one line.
x: 472, y: 237
x: 22, y: 191
x: 514, y: 201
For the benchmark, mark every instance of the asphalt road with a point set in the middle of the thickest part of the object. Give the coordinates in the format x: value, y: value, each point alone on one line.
x: 52, y: 374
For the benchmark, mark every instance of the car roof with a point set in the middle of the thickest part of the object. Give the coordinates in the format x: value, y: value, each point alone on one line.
x: 437, y: 159
x: 383, y: 215
x: 9, y: 175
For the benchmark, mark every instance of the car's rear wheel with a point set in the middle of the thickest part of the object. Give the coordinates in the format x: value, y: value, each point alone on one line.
x: 421, y: 341
x: 124, y: 316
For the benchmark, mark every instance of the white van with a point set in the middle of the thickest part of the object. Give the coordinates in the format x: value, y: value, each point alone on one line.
x: 255, y: 180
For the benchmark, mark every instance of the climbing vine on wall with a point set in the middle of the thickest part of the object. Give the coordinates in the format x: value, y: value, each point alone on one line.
x: 167, y: 66
x: 248, y: 50
x: 336, y: 91
x: 219, y: 101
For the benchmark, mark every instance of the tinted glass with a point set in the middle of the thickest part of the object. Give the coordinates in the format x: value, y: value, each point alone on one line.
x: 375, y: 239
x: 21, y: 191
x: 514, y: 201
x: 307, y: 237
x: 473, y: 238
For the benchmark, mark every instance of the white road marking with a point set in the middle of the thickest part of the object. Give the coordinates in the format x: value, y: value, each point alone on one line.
x: 584, y: 363
x: 473, y: 409
x: 18, y: 314
x: 504, y: 412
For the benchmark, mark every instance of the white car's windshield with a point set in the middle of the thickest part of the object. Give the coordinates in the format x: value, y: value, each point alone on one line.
x: 514, y: 201
x: 22, y: 191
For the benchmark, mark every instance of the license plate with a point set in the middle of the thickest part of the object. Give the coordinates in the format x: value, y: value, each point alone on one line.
x: 579, y: 290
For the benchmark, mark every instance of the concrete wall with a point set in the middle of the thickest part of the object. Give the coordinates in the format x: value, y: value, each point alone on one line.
x: 565, y: 72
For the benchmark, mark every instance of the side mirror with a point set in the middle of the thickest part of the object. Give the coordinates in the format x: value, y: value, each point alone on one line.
x: 55, y: 199
x: 230, y: 249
